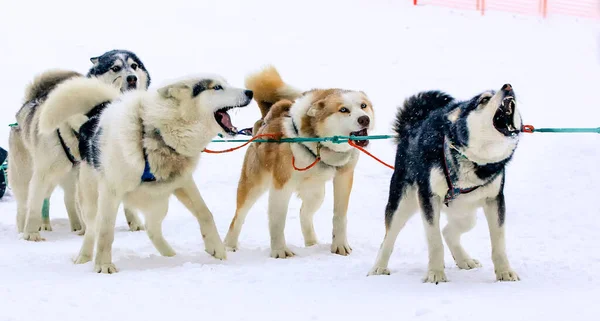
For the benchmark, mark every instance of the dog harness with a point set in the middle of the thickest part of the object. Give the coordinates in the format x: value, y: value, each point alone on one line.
x: 92, y: 113
x: 451, y: 174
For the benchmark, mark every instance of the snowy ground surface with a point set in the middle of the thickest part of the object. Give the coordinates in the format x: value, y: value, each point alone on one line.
x: 390, y: 50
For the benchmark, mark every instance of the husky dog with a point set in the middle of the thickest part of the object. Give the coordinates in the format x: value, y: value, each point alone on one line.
x: 138, y: 149
x: 451, y: 157
x: 270, y: 166
x: 40, y: 162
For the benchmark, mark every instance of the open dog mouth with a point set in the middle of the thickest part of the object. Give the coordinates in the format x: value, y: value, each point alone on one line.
x: 504, y: 117
x: 224, y: 120
x: 362, y: 132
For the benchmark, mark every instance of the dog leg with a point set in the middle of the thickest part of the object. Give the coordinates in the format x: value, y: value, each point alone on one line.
x: 69, y: 185
x: 405, y: 210
x: 458, y: 224
x: 39, y: 188
x: 20, y: 170
x: 108, y: 206
x: 495, y: 212
x: 155, y: 214
x: 278, y: 206
x: 189, y: 195
x: 342, y: 186
x: 312, y: 198
x: 132, y: 219
x: 431, y: 222
x: 87, y: 195
x: 248, y: 193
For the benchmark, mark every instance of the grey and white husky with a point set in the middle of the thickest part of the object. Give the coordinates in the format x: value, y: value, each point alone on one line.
x: 40, y: 162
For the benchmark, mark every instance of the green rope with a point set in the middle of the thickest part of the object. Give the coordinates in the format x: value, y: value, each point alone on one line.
x: 13, y: 125
x: 333, y: 139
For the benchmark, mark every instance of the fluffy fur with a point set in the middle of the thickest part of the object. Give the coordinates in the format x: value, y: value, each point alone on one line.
x: 445, y: 145
x: 268, y: 166
x: 39, y: 162
x: 165, y: 130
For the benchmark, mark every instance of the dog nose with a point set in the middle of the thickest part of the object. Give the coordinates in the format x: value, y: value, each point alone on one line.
x: 249, y: 94
x: 507, y: 87
x: 364, y: 121
x: 131, y: 79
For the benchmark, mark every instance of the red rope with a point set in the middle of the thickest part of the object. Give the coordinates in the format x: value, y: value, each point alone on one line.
x: 272, y: 136
x: 353, y: 144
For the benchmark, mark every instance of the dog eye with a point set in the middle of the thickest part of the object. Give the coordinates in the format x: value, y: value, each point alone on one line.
x: 484, y: 100
x: 344, y: 110
x: 116, y: 68
x: 134, y: 66
x: 363, y: 105
x: 218, y: 87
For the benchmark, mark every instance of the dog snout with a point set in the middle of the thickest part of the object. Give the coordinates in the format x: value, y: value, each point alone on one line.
x: 507, y: 87
x: 249, y: 94
x: 131, y: 79
x: 364, y: 121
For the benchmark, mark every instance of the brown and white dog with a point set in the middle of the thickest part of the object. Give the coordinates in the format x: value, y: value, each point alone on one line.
x: 268, y: 166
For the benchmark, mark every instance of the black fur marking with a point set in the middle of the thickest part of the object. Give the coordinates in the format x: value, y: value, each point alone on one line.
x: 421, y: 125
x: 89, y: 136
x: 501, y: 202
x: 200, y: 87
x: 108, y: 59
x: 66, y: 149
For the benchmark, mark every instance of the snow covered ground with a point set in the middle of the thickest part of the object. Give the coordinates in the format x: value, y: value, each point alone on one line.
x: 390, y: 50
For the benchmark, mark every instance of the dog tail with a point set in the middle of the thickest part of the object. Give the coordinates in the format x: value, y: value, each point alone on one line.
x: 269, y: 88
x: 45, y: 82
x: 71, y: 100
x: 417, y: 108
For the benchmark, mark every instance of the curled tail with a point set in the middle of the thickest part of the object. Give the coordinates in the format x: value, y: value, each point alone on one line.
x: 269, y: 88
x: 71, y: 100
x: 417, y: 108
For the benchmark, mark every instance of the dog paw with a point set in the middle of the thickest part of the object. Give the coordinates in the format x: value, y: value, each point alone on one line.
x: 379, y: 271
x: 135, y: 226
x: 106, y: 268
x: 468, y: 264
x: 82, y: 259
x: 309, y: 243
x: 341, y: 248
x: 230, y: 245
x: 81, y: 232
x: 282, y: 253
x: 75, y: 227
x: 507, y: 275
x: 33, y: 236
x: 217, y: 251
x: 46, y: 227
x: 436, y: 277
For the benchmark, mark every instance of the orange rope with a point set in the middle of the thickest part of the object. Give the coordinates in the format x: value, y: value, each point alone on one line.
x: 272, y: 136
x: 317, y: 159
x: 353, y: 144
x: 305, y: 168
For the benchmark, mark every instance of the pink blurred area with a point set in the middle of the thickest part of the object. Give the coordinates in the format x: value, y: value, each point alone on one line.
x: 545, y: 8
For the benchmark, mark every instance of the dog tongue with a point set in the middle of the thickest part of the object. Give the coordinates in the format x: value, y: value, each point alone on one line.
x: 224, y: 119
x: 361, y: 143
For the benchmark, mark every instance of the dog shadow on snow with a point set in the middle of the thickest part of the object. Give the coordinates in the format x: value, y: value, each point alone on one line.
x: 132, y: 260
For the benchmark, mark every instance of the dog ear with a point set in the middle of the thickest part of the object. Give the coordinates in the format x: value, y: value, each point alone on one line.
x: 177, y: 91
x: 94, y: 60
x: 314, y: 108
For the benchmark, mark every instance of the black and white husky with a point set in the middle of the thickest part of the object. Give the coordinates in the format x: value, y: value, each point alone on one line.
x: 451, y: 156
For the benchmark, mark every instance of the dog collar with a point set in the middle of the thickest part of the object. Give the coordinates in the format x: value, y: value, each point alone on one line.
x: 319, y: 145
x: 451, y: 174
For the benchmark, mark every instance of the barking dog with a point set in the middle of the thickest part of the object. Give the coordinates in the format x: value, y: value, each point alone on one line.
x: 451, y: 157
x: 39, y: 162
x: 268, y: 166
x: 138, y: 149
